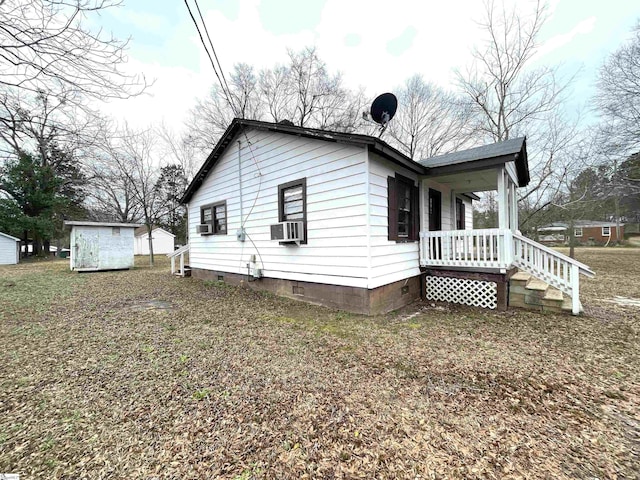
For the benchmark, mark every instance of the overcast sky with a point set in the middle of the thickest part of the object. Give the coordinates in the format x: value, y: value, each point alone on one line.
x: 375, y: 44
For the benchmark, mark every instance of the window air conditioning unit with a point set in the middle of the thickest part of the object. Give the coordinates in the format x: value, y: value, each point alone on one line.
x: 204, y: 228
x: 288, y: 231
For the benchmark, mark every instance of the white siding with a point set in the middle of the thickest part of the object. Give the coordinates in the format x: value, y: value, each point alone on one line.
x: 8, y: 251
x: 163, y: 242
x: 390, y: 261
x: 336, y: 250
x: 97, y: 248
x: 448, y: 216
x: 468, y: 213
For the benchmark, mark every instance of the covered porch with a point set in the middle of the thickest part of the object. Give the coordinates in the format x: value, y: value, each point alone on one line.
x: 460, y: 261
x: 501, y: 168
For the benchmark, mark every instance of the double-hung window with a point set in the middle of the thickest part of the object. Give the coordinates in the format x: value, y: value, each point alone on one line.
x: 292, y: 203
x: 216, y: 216
x: 403, y: 215
x: 577, y: 232
x: 606, y: 231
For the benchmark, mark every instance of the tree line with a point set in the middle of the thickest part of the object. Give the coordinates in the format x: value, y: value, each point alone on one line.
x: 60, y: 158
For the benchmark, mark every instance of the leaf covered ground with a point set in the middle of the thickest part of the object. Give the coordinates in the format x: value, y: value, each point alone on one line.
x: 142, y: 375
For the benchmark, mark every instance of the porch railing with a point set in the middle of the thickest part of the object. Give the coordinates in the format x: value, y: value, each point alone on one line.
x: 487, y: 248
x: 552, y: 267
x: 179, y: 253
x: 502, y: 249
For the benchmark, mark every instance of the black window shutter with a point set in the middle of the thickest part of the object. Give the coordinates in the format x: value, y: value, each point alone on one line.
x: 462, y: 215
x: 415, y: 213
x: 392, y: 205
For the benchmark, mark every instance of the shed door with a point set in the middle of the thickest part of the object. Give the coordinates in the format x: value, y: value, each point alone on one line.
x: 87, y: 248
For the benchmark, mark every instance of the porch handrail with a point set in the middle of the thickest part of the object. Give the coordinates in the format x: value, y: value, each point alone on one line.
x: 554, y: 268
x: 178, y: 253
x: 584, y: 269
x: 482, y: 248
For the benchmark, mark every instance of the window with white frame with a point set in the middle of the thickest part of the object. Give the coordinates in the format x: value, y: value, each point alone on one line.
x: 577, y: 232
x: 606, y: 231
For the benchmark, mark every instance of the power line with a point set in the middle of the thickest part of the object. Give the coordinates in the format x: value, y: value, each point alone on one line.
x: 206, y: 30
x: 215, y: 70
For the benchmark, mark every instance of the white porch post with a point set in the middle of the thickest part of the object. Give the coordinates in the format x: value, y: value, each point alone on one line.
x: 513, y: 207
x: 505, y: 242
x: 503, y: 200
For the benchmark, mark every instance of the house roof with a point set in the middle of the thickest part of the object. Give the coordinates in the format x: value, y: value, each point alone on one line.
x: 514, y: 149
x: 10, y: 237
x: 143, y: 230
x: 70, y: 223
x: 374, y: 144
x: 559, y: 226
x: 490, y: 155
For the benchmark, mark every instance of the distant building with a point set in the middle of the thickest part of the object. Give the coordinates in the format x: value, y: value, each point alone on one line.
x: 586, y: 232
x: 163, y: 241
x: 9, y: 249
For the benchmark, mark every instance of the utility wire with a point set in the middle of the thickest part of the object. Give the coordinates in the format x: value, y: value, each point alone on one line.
x: 206, y: 31
x: 215, y: 70
x: 227, y: 94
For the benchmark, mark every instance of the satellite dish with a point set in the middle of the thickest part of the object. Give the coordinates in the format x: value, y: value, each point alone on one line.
x: 384, y: 108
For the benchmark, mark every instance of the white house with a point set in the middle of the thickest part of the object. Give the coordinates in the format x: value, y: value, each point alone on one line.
x: 163, y: 241
x: 348, y: 221
x: 9, y: 249
x: 101, y: 245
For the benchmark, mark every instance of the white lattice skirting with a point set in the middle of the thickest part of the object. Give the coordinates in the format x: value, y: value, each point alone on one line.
x: 477, y: 293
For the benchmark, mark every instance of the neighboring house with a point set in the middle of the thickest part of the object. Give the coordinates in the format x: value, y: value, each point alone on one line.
x: 163, y: 241
x: 9, y: 249
x: 348, y: 221
x: 586, y: 232
x: 101, y: 245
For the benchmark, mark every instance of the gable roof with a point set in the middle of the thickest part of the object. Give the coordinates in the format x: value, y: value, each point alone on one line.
x: 514, y: 149
x: 143, y: 230
x: 375, y: 144
x: 10, y: 237
x: 474, y: 158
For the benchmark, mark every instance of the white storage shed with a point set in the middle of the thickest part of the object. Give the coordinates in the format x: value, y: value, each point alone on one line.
x: 101, y: 246
x: 163, y: 241
x: 9, y: 249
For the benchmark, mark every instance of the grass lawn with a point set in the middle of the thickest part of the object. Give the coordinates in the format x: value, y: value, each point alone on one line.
x: 139, y: 374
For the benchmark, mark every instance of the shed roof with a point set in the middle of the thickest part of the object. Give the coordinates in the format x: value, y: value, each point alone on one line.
x: 143, y: 230
x: 10, y: 237
x: 82, y: 223
x: 514, y: 149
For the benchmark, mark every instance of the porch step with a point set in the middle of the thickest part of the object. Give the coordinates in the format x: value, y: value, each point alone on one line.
x: 187, y: 272
x: 526, y: 291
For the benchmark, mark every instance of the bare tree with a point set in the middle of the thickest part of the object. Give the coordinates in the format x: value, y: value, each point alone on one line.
x: 33, y: 122
x: 274, y: 93
x: 509, y: 98
x: 302, y: 92
x: 430, y: 121
x: 112, y: 196
x: 45, y: 45
x: 505, y: 93
x: 618, y: 98
x: 139, y: 161
x: 178, y: 149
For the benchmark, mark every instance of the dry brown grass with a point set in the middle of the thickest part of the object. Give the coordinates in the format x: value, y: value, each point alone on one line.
x: 99, y: 379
